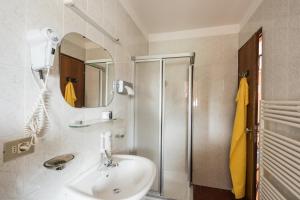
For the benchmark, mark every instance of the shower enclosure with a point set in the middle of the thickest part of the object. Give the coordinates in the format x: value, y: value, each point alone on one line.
x: 163, y: 120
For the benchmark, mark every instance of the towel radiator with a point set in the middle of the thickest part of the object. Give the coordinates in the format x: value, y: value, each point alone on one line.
x: 279, y: 150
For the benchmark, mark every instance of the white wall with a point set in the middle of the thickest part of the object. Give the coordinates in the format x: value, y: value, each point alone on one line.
x: 215, y: 83
x: 281, y: 46
x: 26, y: 178
x: 280, y: 21
x: 73, y: 50
x: 97, y: 53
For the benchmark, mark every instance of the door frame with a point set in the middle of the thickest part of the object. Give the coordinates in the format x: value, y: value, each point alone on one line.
x: 253, y: 187
x: 161, y: 59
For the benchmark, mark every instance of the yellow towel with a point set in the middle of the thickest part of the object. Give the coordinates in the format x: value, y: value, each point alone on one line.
x: 238, y: 142
x: 70, y: 96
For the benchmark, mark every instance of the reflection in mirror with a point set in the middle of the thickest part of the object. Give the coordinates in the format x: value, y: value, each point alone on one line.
x: 86, y: 72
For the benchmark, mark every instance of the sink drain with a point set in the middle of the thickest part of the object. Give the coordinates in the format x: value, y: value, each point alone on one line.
x: 116, y: 190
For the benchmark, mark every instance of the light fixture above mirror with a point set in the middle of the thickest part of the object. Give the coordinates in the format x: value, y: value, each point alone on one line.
x: 86, y: 72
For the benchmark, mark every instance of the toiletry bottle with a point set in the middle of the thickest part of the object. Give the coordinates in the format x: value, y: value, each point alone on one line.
x: 102, y: 147
x: 108, y: 141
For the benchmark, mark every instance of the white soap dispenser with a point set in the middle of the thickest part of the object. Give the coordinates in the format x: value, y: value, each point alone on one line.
x: 102, y: 147
x: 108, y: 142
x: 105, y: 145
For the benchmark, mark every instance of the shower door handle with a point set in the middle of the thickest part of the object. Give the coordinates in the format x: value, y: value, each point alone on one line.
x: 252, y: 130
x: 190, y: 124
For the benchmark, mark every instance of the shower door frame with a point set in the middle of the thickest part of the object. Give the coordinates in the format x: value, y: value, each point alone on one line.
x: 161, y: 59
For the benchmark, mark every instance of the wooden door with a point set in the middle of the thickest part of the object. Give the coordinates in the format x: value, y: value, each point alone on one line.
x: 73, y: 69
x: 248, y: 57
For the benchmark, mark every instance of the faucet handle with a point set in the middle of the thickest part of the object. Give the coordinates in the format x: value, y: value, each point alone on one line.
x: 108, y: 155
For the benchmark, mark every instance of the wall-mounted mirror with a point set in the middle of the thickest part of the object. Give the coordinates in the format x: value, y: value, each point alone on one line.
x: 86, y: 72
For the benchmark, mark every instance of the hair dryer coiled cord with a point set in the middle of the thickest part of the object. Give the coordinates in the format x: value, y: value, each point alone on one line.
x: 37, y: 121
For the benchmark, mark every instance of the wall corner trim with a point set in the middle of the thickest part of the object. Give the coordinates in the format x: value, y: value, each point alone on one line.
x: 195, y: 33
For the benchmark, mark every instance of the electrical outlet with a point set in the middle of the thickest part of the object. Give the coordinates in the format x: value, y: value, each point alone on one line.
x: 16, y: 148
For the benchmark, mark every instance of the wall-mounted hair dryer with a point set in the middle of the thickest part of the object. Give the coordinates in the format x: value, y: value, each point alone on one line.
x: 43, y: 44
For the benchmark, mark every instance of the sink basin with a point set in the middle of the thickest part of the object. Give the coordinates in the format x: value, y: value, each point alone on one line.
x: 130, y: 180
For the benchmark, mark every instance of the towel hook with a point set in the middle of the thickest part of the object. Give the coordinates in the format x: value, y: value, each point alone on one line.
x: 244, y: 74
x: 73, y: 80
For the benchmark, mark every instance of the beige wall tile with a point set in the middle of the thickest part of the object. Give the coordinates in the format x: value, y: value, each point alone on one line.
x: 31, y: 180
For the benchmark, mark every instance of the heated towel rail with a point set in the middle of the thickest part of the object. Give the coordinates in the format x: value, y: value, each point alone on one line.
x: 280, y: 150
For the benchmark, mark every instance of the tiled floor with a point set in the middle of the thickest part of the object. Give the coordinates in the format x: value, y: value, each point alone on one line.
x: 206, y: 193
x: 176, y: 185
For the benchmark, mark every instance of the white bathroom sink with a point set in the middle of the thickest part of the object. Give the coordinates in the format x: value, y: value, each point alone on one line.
x: 130, y: 180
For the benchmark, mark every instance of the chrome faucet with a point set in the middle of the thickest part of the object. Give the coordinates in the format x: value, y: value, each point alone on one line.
x: 106, y: 155
x: 109, y: 161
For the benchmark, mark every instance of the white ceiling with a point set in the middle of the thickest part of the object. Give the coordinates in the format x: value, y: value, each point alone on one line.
x: 158, y: 16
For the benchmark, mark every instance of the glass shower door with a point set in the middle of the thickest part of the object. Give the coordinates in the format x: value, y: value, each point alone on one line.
x: 148, y: 114
x: 175, y: 128
x: 163, y: 122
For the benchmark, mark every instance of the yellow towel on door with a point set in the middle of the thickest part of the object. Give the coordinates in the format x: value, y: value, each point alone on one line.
x: 70, y: 96
x: 238, y: 142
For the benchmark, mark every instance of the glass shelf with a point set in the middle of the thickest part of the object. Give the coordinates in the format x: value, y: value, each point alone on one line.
x: 86, y: 123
